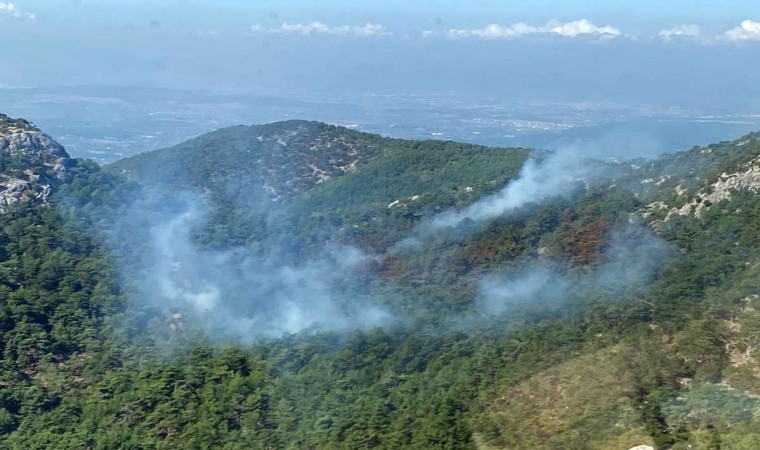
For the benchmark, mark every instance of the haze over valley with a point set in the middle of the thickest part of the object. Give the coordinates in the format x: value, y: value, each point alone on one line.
x: 108, y: 123
x: 428, y: 224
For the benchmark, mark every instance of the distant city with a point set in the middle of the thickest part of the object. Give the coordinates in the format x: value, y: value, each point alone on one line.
x: 109, y: 123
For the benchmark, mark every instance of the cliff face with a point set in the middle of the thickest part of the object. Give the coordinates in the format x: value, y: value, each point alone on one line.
x: 31, y: 163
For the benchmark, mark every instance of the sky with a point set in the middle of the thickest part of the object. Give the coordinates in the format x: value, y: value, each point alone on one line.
x: 672, y: 53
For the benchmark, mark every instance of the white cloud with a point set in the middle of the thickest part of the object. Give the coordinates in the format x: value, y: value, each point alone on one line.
x: 320, y: 28
x: 572, y: 29
x: 680, y: 31
x: 9, y: 9
x: 583, y: 26
x: 746, y: 31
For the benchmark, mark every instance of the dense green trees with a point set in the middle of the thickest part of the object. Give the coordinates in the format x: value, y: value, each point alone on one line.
x: 85, y: 366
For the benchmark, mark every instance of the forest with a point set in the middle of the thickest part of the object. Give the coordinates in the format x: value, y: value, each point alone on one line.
x: 619, y: 310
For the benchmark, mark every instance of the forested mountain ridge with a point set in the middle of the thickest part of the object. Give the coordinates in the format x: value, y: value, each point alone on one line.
x: 611, y: 312
x: 705, y: 201
x: 284, y: 158
x: 333, y: 177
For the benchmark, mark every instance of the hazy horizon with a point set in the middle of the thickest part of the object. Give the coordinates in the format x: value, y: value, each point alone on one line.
x: 683, y: 55
x: 109, y: 79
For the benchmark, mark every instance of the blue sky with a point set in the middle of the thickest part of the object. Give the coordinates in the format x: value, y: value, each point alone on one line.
x: 637, y: 15
x: 673, y: 52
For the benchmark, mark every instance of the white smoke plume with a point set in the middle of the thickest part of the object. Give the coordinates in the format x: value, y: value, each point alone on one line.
x: 261, y: 290
x: 570, y: 167
x: 242, y: 294
x: 632, y: 260
x: 538, y: 181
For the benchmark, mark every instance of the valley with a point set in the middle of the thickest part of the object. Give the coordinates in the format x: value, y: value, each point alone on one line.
x: 305, y: 285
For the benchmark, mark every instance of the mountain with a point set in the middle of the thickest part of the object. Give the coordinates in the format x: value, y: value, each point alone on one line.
x: 31, y: 162
x: 330, y: 175
x: 283, y: 158
x: 301, y: 285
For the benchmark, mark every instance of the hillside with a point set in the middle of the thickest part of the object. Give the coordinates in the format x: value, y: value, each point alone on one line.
x: 333, y: 178
x: 300, y: 285
x: 285, y: 158
x: 31, y: 163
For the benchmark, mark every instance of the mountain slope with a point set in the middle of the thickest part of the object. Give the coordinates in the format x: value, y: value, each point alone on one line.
x: 474, y: 356
x: 329, y: 179
x: 31, y: 163
x: 705, y: 202
x: 284, y: 158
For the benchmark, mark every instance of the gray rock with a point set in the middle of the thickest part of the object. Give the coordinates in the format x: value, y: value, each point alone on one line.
x: 32, y: 165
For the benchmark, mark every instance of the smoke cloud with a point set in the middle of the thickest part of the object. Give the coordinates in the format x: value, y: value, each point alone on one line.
x: 632, y: 260
x: 266, y: 289
x: 569, y: 168
x: 538, y: 181
x: 241, y: 293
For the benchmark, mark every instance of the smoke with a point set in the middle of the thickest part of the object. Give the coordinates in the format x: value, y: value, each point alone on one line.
x: 570, y: 167
x: 559, y: 174
x: 632, y: 260
x: 534, y: 285
x: 537, y: 181
x: 264, y: 288
x: 242, y: 293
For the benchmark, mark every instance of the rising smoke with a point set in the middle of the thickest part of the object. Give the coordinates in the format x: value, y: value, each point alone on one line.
x: 556, y: 176
x: 260, y: 290
x: 562, y: 173
x: 240, y: 293
x: 244, y: 295
x: 631, y: 260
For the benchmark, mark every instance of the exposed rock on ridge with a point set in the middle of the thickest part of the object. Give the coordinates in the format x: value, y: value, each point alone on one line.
x: 31, y: 163
x: 747, y: 179
x: 692, y: 195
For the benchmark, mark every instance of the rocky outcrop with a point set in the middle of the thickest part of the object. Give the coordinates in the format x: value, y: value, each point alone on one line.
x: 745, y: 178
x: 31, y: 163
